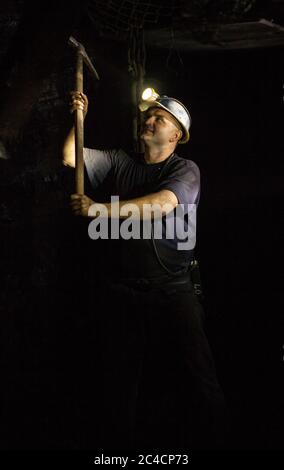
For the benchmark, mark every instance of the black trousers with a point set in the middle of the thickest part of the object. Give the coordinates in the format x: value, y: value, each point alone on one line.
x: 156, y: 381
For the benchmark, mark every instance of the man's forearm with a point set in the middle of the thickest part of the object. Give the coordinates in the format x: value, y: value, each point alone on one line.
x: 144, y: 207
x: 69, y: 149
x: 79, y: 101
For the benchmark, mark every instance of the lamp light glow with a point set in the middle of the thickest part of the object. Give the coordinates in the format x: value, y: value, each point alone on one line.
x: 149, y: 94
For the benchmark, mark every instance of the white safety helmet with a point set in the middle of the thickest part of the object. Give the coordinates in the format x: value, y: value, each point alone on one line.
x: 174, y: 107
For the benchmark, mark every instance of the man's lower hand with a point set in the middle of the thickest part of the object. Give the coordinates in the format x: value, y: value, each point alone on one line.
x: 80, y: 204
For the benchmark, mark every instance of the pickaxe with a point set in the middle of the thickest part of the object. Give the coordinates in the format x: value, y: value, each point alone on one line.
x: 82, y: 57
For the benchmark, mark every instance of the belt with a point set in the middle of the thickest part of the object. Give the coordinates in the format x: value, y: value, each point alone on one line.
x: 147, y: 284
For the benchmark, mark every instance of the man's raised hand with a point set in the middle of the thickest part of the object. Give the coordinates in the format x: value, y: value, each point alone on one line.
x: 78, y: 101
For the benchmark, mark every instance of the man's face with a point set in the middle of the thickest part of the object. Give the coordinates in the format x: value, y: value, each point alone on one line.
x: 159, y: 127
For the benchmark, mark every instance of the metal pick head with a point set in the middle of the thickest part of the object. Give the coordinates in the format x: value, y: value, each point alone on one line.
x: 81, y: 50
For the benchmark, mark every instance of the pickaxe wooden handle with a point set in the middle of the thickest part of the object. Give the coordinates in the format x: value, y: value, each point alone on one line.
x: 79, y: 119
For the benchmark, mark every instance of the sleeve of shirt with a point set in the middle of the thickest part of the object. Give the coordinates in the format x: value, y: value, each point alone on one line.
x: 98, y: 164
x: 184, y: 181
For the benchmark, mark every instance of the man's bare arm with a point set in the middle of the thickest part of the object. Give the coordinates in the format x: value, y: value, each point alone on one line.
x: 77, y: 101
x: 163, y: 201
x: 69, y: 149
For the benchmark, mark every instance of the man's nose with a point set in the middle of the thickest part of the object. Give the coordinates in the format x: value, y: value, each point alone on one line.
x: 149, y: 120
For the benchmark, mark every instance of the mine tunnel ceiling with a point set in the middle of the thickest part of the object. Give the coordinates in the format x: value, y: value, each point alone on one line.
x: 192, y: 24
x: 245, y: 35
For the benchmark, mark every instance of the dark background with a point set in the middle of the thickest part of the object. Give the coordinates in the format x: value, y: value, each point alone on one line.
x: 47, y: 262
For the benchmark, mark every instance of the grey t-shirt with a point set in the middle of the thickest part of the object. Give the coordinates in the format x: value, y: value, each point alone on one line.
x: 114, y: 172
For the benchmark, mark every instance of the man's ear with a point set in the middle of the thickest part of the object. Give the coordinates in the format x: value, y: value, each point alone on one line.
x: 176, y: 136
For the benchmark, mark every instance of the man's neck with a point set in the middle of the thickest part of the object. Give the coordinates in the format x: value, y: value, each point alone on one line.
x: 157, y: 155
